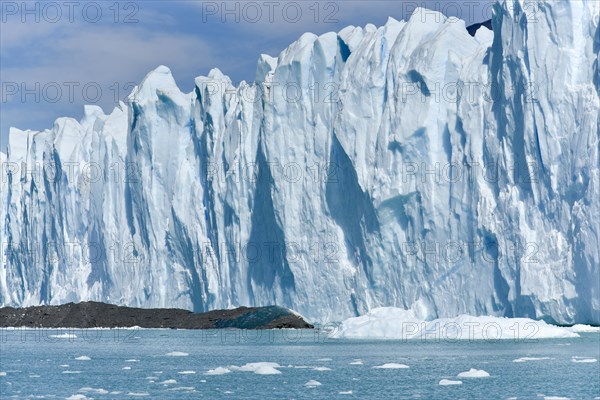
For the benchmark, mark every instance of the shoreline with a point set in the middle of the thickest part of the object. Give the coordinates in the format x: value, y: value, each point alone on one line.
x: 97, y: 315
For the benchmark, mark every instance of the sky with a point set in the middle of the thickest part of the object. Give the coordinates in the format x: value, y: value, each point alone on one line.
x: 57, y: 56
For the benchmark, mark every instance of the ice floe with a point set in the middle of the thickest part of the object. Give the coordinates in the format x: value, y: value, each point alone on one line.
x: 259, y: 368
x: 93, y: 390
x: 576, y: 359
x: 525, y: 359
x: 312, y: 383
x: 177, y: 354
x: 64, y: 336
x: 186, y: 372
x: 391, y: 366
x: 449, y: 382
x: 83, y: 358
x: 218, y: 371
x: 473, y: 373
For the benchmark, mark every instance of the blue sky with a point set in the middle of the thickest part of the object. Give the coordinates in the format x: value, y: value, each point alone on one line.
x: 55, y: 55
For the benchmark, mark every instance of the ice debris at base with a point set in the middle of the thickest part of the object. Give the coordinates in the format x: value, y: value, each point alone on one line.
x: 417, y: 164
x: 396, y: 323
x: 579, y: 328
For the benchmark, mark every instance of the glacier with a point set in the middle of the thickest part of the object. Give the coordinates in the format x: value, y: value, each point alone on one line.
x: 409, y: 165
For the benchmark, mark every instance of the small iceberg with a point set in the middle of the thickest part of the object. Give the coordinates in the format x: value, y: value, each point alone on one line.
x: 449, y: 382
x: 259, y: 368
x: 218, y: 371
x: 177, y: 354
x: 474, y: 373
x: 312, y: 384
x: 83, y: 358
x: 64, y: 336
x: 576, y: 359
x: 526, y: 359
x: 92, y: 390
x: 392, y: 366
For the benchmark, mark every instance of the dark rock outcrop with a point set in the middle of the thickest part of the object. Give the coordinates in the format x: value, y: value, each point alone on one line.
x: 102, y: 315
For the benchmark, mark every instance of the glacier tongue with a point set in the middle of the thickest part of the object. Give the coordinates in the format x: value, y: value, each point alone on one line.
x: 409, y: 165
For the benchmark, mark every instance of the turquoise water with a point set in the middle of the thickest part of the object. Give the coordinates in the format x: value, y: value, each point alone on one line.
x: 35, y: 363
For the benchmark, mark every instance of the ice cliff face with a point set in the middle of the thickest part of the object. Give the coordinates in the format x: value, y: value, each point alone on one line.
x: 410, y: 165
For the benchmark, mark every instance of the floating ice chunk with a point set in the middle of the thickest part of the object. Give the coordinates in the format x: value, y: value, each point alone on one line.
x: 391, y: 366
x: 260, y: 368
x: 126, y: 368
x: 169, y: 382
x: 322, y: 369
x: 71, y: 372
x: 356, y: 362
x: 576, y: 359
x: 556, y: 398
x: 177, y: 354
x: 64, y: 365
x: 64, y: 336
x: 138, y: 394
x: 78, y: 397
x: 92, y: 390
x: 449, y: 382
x: 132, y: 360
x: 312, y: 384
x: 397, y: 323
x: 218, y: 371
x: 186, y: 372
x: 182, y: 388
x: 345, y: 392
x: 323, y: 359
x: 473, y: 373
x: 267, y: 370
x: 525, y: 359
x: 2, y: 373
x: 83, y: 358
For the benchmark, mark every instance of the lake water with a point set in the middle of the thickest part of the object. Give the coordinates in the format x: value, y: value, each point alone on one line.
x: 172, y: 364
